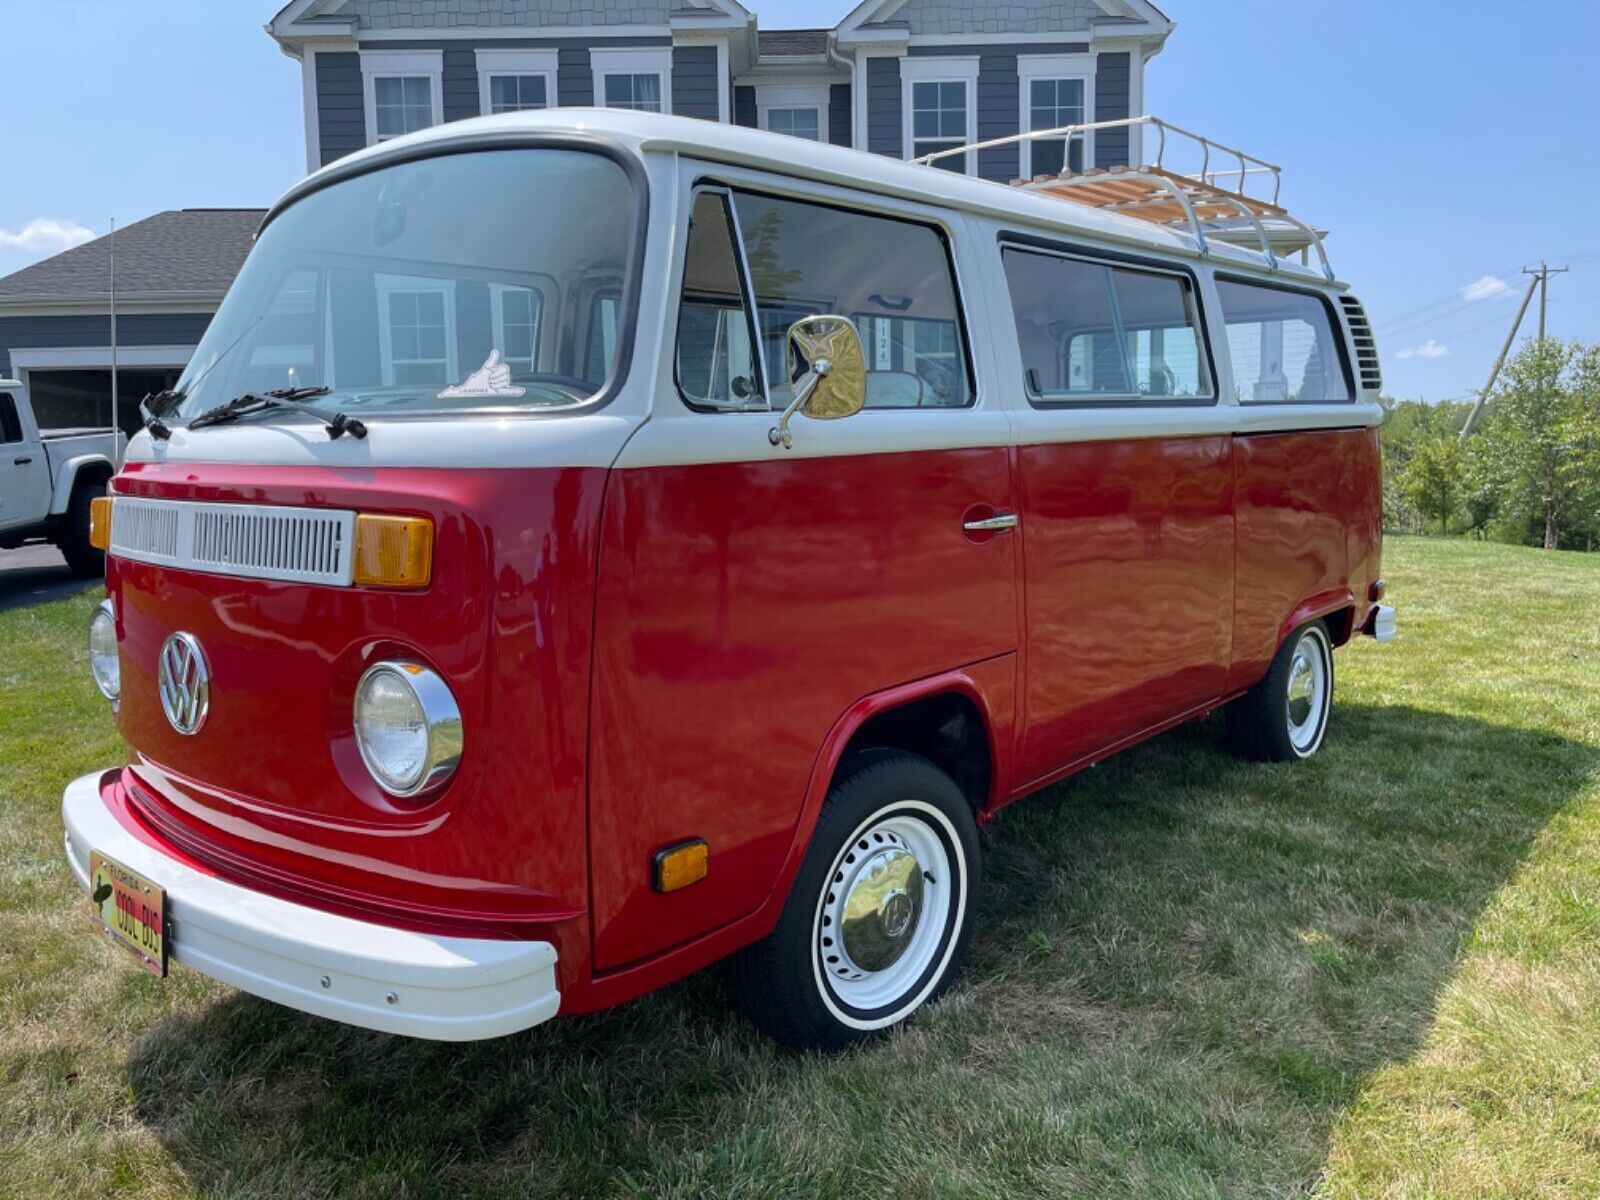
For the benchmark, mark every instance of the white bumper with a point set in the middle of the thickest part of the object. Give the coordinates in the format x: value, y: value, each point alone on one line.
x: 447, y: 988
x: 1380, y: 624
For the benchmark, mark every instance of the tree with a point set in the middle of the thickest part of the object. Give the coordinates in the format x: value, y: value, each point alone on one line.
x: 1432, y: 479
x: 1544, y: 432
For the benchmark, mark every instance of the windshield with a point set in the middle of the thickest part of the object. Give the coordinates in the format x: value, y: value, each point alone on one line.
x: 466, y: 282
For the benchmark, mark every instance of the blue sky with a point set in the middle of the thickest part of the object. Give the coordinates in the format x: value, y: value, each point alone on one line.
x: 1446, y: 145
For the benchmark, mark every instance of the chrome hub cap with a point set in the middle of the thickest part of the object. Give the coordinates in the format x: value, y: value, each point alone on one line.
x: 1308, y: 690
x: 881, y: 921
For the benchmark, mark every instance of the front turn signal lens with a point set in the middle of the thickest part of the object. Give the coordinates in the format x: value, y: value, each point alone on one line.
x: 679, y: 865
x: 393, y: 551
x: 100, y: 522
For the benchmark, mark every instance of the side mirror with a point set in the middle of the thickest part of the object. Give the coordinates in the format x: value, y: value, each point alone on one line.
x: 823, y: 357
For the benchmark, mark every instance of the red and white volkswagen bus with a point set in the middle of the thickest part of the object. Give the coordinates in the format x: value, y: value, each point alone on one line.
x: 587, y: 545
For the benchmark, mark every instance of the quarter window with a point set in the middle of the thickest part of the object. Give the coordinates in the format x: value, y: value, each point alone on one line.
x: 1281, y: 346
x: 639, y: 91
x: 1091, y: 331
x: 716, y: 357
x: 939, y: 120
x: 402, y: 104
x: 10, y: 426
x: 514, y: 93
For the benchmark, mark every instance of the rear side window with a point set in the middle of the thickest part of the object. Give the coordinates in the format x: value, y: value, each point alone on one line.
x: 892, y: 278
x: 1281, y: 346
x: 10, y: 426
x: 1094, y: 332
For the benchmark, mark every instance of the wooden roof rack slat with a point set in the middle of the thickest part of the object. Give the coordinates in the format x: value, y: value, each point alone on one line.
x: 1197, y: 203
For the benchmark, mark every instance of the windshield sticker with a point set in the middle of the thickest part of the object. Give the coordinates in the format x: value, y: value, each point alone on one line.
x: 490, y: 381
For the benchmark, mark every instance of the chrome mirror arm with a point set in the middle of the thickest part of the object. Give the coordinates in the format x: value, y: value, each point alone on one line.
x: 779, y: 434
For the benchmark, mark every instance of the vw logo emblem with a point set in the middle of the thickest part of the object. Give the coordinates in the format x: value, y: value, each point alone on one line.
x: 185, y: 683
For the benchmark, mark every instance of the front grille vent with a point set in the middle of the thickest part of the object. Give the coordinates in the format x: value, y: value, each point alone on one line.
x: 256, y: 541
x: 1366, y: 344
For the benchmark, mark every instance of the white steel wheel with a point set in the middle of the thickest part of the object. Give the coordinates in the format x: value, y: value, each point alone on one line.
x: 1308, y: 691
x: 884, y: 918
x: 876, y: 921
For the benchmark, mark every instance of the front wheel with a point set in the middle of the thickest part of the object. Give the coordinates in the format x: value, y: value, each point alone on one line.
x: 83, y: 559
x: 1285, y: 716
x: 877, y: 920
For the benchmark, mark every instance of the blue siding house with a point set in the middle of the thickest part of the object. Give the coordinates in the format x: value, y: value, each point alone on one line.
x: 896, y: 77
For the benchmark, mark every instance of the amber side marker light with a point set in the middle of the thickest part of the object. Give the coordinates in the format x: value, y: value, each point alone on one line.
x: 393, y: 551
x: 100, y: 522
x: 679, y: 865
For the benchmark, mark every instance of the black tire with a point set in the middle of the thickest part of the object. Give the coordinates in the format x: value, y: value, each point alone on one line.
x: 1261, y: 724
x: 83, y: 560
x: 881, y: 807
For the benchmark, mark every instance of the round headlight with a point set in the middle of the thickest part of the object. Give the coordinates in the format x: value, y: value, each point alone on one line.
x: 408, y: 727
x: 103, y: 661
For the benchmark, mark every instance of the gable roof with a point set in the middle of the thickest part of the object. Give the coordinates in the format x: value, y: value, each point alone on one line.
x: 182, y: 251
x: 1140, y: 15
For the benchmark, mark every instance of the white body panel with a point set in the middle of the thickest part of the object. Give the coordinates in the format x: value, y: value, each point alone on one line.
x: 374, y: 976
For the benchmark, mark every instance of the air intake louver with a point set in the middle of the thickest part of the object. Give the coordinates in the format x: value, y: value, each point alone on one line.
x: 1366, y: 345
x: 258, y: 541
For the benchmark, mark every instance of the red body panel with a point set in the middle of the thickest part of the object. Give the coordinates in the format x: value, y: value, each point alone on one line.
x: 1308, y: 509
x: 1129, y: 590
x: 272, y: 790
x: 742, y: 608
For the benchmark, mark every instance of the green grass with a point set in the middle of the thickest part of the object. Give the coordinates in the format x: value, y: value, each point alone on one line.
x: 1376, y: 974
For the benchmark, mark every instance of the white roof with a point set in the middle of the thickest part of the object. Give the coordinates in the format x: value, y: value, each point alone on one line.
x: 647, y: 133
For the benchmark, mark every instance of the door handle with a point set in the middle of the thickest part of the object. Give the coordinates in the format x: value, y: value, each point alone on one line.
x: 995, y: 524
x: 22, y: 462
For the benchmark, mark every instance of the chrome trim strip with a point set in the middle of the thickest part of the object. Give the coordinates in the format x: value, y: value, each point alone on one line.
x: 997, y: 523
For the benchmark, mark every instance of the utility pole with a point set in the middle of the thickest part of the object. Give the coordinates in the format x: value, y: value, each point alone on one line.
x: 1542, y: 277
x: 115, y: 465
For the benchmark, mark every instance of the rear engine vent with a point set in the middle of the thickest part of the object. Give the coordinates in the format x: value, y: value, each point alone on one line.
x: 1366, y: 345
x: 257, y: 541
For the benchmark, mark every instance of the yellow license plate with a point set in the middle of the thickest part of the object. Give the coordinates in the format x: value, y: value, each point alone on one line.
x: 132, y: 910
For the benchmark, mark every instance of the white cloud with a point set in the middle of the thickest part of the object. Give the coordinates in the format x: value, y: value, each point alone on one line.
x: 45, y: 235
x: 1490, y: 287
x: 1429, y: 349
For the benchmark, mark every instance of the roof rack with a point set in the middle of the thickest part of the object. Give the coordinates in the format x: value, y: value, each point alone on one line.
x: 1222, y: 203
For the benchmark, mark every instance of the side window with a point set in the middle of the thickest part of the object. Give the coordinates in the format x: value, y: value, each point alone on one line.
x: 1281, y: 345
x: 1093, y: 332
x: 10, y: 425
x: 716, y: 356
x: 892, y: 278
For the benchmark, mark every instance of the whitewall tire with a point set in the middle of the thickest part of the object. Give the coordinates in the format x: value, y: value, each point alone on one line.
x: 1284, y: 718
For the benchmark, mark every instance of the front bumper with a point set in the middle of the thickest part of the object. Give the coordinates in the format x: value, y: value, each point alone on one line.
x: 395, y: 980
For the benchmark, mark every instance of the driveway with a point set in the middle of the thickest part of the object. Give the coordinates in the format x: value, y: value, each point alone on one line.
x: 34, y: 574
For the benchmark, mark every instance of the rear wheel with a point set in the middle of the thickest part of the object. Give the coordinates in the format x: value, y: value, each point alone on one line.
x: 877, y: 920
x: 1285, y: 716
x: 83, y: 560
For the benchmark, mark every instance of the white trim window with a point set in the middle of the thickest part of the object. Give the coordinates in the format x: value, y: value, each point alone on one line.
x: 940, y: 104
x: 417, y: 335
x: 801, y: 121
x: 518, y: 314
x: 635, y: 79
x: 1056, y: 90
x: 403, y: 91
x: 515, y: 80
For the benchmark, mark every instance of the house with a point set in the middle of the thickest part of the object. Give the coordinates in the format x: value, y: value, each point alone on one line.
x: 172, y: 271
x: 896, y: 77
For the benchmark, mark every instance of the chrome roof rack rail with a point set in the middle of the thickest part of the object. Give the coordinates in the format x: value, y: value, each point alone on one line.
x: 1211, y: 204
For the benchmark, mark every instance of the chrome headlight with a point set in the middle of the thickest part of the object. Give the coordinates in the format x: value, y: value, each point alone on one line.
x: 408, y: 727
x: 104, y: 664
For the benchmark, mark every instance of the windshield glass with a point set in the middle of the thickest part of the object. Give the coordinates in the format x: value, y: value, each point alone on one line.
x: 483, y: 281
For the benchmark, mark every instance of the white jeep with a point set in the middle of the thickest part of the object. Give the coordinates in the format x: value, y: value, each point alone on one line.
x: 48, y: 479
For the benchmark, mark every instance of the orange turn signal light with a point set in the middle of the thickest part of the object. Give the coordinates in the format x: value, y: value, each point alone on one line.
x: 393, y: 551
x: 100, y: 522
x: 679, y: 865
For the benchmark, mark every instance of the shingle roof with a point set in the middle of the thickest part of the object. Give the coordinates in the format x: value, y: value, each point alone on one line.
x: 183, y: 250
x: 792, y: 41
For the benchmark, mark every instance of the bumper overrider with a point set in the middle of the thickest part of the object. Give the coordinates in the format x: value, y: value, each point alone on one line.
x: 374, y: 976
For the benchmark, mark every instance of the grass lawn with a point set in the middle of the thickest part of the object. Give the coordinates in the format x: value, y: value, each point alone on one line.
x: 1377, y: 974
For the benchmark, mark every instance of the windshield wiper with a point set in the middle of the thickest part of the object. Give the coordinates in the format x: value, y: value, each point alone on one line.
x: 148, y: 409
x: 292, y: 398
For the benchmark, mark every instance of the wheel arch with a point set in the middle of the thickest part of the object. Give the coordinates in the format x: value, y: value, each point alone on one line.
x: 89, y: 468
